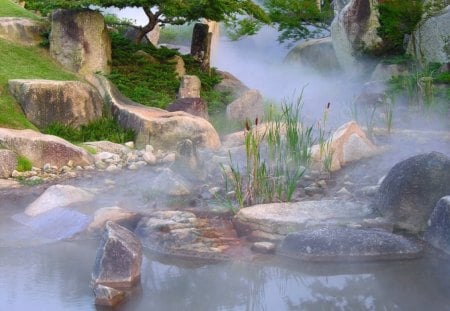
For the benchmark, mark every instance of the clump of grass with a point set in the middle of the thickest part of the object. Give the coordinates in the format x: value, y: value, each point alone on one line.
x: 11, y: 9
x: 100, y: 129
x: 23, y: 164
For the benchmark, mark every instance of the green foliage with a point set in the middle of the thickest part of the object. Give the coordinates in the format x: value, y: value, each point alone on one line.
x: 176, y: 34
x: 10, y: 9
x: 101, y: 129
x: 20, y: 62
x: 397, y: 19
x: 299, y: 19
x: 23, y: 164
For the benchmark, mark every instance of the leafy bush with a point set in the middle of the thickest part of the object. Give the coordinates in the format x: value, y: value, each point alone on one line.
x: 101, y: 129
x: 23, y: 164
x: 397, y: 19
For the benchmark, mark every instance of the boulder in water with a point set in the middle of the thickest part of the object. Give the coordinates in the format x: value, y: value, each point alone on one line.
x: 438, y: 231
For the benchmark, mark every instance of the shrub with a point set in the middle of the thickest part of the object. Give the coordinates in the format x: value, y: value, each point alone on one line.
x: 23, y: 164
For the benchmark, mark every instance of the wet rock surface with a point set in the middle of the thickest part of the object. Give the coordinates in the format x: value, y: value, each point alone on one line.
x: 438, y: 231
x: 108, y: 296
x: 410, y: 191
x: 343, y: 243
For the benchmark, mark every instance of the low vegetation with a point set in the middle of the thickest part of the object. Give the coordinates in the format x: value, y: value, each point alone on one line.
x: 9, y: 8
x: 23, y: 164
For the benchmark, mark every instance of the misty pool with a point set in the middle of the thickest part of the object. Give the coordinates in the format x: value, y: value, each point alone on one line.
x: 56, y: 276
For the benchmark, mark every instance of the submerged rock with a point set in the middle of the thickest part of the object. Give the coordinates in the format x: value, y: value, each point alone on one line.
x: 107, y: 296
x: 119, y: 258
x: 342, y: 244
x: 410, y: 191
x: 116, y: 214
x: 438, y: 231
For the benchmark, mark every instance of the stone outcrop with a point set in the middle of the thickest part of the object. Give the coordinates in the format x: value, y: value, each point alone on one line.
x: 430, y: 42
x: 317, y: 54
x: 383, y: 72
x: 354, y: 30
x: 249, y: 106
x: 343, y: 244
x: 123, y: 217
x: 79, y: 40
x: 58, y: 196
x: 182, y: 234
x: 438, y: 231
x: 21, y: 30
x: 8, y: 163
x: 68, y: 102
x: 230, y: 84
x: 41, y: 149
x: 153, y: 126
x: 195, y: 106
x: 411, y: 189
x: 190, y: 87
x: 201, y: 45
x: 119, y: 258
x: 349, y: 143
x: 276, y: 220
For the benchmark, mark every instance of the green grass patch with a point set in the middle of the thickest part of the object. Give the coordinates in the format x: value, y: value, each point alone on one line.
x: 11, y: 9
x: 101, y: 129
x: 23, y: 164
x: 19, y: 62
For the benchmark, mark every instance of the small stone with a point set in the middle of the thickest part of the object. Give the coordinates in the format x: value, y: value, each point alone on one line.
x: 70, y: 163
x: 107, y: 296
x: 343, y: 192
x: 131, y: 157
x: 112, y: 168
x: 46, y: 167
x: 322, y: 183
x: 149, y: 157
x: 141, y: 163
x: 65, y: 169
x: 78, y: 168
x: 129, y: 144
x: 132, y: 166
x: 102, y: 156
x: 263, y: 247
x: 70, y: 174
x: 15, y: 174
x: 100, y: 165
x: 169, y: 158
x: 149, y: 148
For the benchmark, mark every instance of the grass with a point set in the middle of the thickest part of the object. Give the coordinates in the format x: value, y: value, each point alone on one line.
x: 101, y: 129
x: 23, y: 164
x: 10, y: 9
x: 19, y: 62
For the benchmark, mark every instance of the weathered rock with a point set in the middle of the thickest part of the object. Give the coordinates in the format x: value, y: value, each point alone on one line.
x: 353, y: 31
x: 107, y: 296
x: 159, y: 128
x: 45, y: 101
x: 410, y: 191
x: 263, y: 247
x: 182, y: 234
x: 201, y: 45
x: 119, y: 258
x: 230, y: 84
x: 79, y: 40
x: 248, y: 106
x: 383, y: 72
x: 430, y: 42
x: 190, y: 87
x: 343, y: 244
x: 180, y: 69
x: 21, y: 30
x: 349, y: 143
x: 107, y: 146
x: 8, y: 163
x: 317, y: 54
x: 58, y: 196
x: 123, y: 217
x: 276, y: 220
x: 438, y: 231
x: 170, y: 184
x: 195, y: 106
x: 41, y: 149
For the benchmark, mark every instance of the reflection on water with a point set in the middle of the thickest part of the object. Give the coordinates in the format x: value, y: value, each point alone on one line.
x: 56, y: 277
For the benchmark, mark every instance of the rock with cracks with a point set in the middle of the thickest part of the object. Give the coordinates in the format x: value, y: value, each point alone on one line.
x: 41, y: 149
x: 159, y: 128
x: 411, y: 189
x: 119, y: 258
x: 343, y: 244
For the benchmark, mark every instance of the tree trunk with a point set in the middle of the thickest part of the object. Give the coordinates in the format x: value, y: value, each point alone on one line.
x: 152, y: 21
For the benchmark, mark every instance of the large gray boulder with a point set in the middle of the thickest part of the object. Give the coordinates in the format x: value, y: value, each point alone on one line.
x: 276, y: 220
x: 119, y: 258
x: 317, y: 54
x: 21, y: 30
x: 410, y: 191
x: 354, y: 30
x: 249, y: 105
x: 68, y: 102
x: 153, y: 126
x: 438, y: 231
x: 41, y: 149
x: 79, y: 40
x: 430, y: 42
x: 230, y: 84
x: 333, y: 243
x: 8, y: 163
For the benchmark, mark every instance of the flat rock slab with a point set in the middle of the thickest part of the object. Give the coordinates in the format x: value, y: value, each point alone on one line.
x: 275, y: 221
x: 342, y: 244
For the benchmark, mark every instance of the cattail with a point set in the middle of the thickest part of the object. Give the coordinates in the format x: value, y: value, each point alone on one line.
x: 247, y: 126
x: 328, y: 105
x: 256, y: 121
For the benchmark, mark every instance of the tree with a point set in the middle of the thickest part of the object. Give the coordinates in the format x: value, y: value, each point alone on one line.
x: 300, y: 19
x: 167, y: 11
